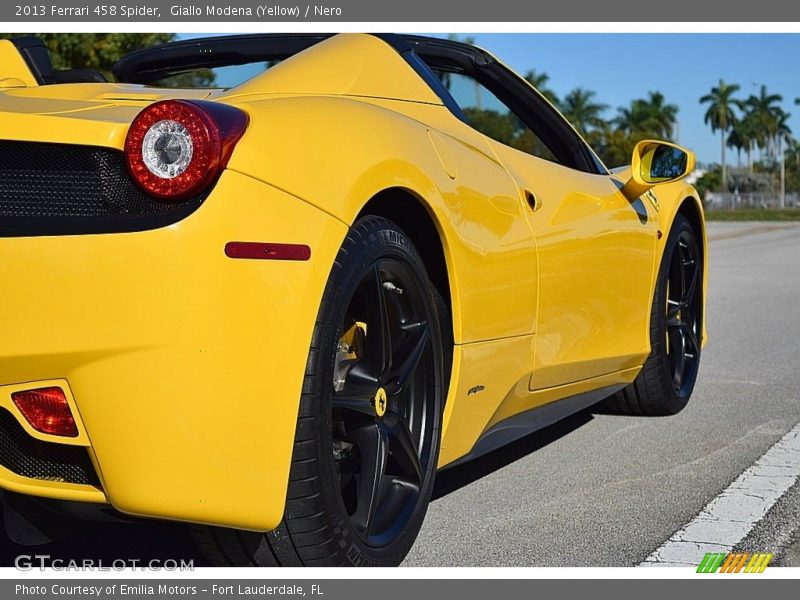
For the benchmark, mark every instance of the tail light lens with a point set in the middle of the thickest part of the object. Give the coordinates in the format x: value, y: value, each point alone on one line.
x: 176, y: 148
x: 47, y: 410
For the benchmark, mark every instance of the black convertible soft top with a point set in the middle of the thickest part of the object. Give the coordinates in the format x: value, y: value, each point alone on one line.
x: 159, y: 62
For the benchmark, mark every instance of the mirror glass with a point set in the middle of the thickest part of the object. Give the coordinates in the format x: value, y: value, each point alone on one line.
x: 661, y: 163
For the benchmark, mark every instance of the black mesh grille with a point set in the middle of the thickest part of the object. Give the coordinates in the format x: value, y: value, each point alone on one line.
x: 64, y: 188
x: 26, y: 456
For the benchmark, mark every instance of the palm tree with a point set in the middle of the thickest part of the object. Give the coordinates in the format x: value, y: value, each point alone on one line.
x: 720, y: 115
x: 749, y: 132
x: 539, y: 81
x: 765, y: 111
x: 665, y: 115
x: 647, y: 118
x: 737, y: 140
x: 582, y: 111
x: 783, y: 134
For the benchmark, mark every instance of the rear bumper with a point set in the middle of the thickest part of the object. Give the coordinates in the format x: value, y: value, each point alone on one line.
x: 184, y: 366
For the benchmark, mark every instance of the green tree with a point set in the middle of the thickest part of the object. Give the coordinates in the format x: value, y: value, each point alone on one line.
x: 664, y: 115
x: 709, y: 181
x: 99, y: 51
x: 614, y: 146
x: 746, y: 130
x: 502, y: 127
x: 648, y: 117
x: 721, y: 116
x: 738, y: 141
x: 539, y: 81
x: 765, y: 112
x: 582, y: 111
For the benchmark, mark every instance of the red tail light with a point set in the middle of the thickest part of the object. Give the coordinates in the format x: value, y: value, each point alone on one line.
x: 176, y: 148
x: 47, y: 410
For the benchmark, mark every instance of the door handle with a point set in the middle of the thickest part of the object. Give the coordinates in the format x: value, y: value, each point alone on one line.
x: 532, y: 200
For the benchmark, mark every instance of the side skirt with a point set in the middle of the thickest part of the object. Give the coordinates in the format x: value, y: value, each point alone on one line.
x: 522, y: 424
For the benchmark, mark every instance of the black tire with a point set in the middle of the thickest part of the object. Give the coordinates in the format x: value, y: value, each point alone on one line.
x: 666, y: 381
x: 329, y: 519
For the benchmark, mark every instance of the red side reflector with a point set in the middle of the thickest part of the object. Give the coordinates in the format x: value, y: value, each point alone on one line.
x: 267, y: 251
x: 47, y: 410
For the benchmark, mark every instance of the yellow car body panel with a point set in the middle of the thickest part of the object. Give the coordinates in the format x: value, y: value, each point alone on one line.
x: 185, y: 367
x: 15, y: 72
x: 352, y: 65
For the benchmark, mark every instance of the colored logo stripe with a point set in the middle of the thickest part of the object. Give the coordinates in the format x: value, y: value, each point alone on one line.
x: 734, y: 562
x: 758, y: 563
x: 711, y: 562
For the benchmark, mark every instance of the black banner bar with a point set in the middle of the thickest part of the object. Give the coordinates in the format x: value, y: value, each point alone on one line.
x: 327, y: 11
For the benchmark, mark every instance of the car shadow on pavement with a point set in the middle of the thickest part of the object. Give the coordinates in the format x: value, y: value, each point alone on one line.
x: 148, y: 542
x: 454, y: 478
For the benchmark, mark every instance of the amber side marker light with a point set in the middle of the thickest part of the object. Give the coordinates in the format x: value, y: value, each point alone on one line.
x: 47, y: 410
x: 267, y: 251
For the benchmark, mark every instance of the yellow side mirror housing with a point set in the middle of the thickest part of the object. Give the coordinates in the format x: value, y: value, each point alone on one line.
x: 653, y: 163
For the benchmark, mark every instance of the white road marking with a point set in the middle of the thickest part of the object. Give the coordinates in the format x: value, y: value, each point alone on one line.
x: 727, y: 519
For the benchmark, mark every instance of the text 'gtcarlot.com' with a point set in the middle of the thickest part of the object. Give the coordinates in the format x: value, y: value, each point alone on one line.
x: 28, y: 562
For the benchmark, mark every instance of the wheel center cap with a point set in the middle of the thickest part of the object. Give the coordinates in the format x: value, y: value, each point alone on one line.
x: 380, y: 401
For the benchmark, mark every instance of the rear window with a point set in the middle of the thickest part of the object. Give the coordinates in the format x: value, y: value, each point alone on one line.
x: 218, y: 77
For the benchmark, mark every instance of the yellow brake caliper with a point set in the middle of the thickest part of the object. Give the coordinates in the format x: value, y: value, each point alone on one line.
x: 348, y: 351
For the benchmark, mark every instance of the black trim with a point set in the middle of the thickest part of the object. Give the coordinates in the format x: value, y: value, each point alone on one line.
x: 51, y: 189
x: 522, y: 424
x: 41, y: 226
x: 33, y: 458
x: 37, y: 57
x: 166, y: 60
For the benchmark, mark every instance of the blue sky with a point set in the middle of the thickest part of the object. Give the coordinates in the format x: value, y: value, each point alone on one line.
x: 620, y: 67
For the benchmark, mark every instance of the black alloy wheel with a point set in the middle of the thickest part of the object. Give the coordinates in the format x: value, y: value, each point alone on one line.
x: 683, y: 311
x: 381, y: 402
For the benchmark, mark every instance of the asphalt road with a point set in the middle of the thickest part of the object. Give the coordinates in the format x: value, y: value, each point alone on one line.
x: 601, y: 490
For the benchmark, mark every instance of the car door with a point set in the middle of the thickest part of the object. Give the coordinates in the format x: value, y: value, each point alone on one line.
x: 595, y: 248
x: 595, y: 252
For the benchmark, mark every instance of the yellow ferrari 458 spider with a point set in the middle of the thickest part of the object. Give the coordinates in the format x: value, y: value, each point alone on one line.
x: 273, y: 310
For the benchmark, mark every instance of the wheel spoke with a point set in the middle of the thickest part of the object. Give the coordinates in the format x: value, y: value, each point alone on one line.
x: 374, y: 448
x: 407, y: 483
x: 402, y: 446
x: 378, y: 343
x: 691, y: 338
x: 359, y: 405
x: 681, y: 268
x: 410, y: 361
x: 688, y: 297
x: 678, y: 355
x: 360, y: 382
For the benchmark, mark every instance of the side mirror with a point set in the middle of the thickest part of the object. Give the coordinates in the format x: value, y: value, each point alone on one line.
x: 654, y: 163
